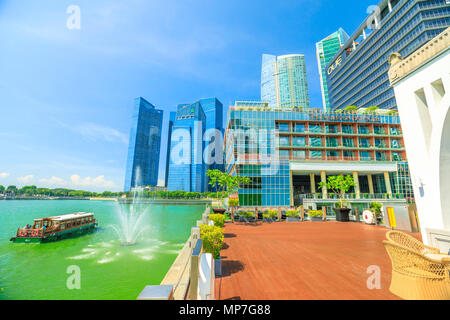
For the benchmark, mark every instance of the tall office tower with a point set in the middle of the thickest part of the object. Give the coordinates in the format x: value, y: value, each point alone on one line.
x: 187, y: 171
x: 198, y: 119
x: 144, y: 147
x: 326, y: 49
x: 283, y: 81
x: 213, y: 109
x: 172, y: 117
x: 358, y: 73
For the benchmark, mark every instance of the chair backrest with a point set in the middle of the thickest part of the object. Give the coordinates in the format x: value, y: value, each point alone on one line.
x: 411, y: 263
x: 410, y: 242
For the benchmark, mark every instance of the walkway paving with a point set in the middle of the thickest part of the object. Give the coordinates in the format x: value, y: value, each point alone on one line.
x: 303, y: 261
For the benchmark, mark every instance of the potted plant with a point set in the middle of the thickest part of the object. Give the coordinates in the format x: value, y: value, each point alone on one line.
x: 270, y: 215
x: 315, y: 215
x: 292, y: 216
x: 246, y: 216
x: 212, y: 237
x: 375, y: 207
x: 340, y: 185
x: 218, y: 219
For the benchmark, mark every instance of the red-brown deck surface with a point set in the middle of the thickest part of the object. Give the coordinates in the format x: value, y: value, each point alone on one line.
x: 303, y: 261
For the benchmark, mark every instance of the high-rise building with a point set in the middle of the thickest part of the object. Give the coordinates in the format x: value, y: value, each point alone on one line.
x: 358, y: 74
x: 283, y: 81
x: 195, y: 120
x: 213, y: 109
x: 144, y: 146
x: 326, y: 49
x: 287, y: 155
x: 172, y: 117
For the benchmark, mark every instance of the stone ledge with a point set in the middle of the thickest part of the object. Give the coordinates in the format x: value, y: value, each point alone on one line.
x: 401, y: 67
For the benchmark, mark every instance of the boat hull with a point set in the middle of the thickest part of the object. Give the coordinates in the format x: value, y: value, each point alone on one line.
x: 71, y: 233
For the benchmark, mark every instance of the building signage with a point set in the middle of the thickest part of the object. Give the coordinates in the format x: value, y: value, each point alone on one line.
x: 345, y: 117
x: 335, y: 65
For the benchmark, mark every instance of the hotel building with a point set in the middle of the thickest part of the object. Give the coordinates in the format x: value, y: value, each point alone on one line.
x: 358, y: 74
x: 144, y: 146
x: 326, y: 49
x: 283, y: 81
x: 288, y: 153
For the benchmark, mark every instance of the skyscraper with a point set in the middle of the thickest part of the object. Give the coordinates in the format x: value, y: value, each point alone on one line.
x: 358, y: 74
x: 144, y: 147
x: 172, y: 118
x: 187, y: 171
x: 283, y: 81
x: 198, y: 119
x: 326, y: 50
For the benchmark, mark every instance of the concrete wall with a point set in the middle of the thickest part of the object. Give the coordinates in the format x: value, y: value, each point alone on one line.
x: 423, y: 98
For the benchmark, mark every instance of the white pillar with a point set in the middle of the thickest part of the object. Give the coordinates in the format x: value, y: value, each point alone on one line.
x: 356, y: 180
x: 323, y: 175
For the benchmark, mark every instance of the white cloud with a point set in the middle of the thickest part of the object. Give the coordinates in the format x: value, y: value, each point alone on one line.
x: 53, y: 182
x: 4, y: 175
x: 77, y: 182
x: 26, y: 179
x: 96, y: 132
x: 98, y: 182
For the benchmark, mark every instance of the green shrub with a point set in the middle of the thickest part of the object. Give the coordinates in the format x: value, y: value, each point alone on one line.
x: 315, y: 213
x: 233, y: 203
x: 247, y: 214
x: 292, y: 213
x: 270, y: 214
x: 212, y: 238
x: 218, y: 219
x: 376, y: 207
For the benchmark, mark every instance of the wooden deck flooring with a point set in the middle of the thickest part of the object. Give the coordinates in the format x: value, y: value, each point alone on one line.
x: 303, y: 261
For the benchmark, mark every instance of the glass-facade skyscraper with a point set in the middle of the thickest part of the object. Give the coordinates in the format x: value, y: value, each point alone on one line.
x: 284, y: 82
x: 172, y: 117
x: 195, y: 120
x: 326, y: 49
x: 144, y: 146
x: 358, y: 74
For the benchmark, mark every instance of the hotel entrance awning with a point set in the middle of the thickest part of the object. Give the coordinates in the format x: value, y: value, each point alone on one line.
x: 305, y: 168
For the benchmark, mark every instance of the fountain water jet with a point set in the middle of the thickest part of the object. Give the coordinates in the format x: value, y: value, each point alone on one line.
x: 131, y: 217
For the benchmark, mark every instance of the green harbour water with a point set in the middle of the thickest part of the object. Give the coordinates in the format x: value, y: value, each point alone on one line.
x: 107, y: 269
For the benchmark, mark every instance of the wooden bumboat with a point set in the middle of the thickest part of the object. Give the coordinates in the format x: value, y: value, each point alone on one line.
x: 56, y: 228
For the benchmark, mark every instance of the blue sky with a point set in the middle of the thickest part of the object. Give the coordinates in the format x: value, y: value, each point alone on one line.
x: 66, y: 96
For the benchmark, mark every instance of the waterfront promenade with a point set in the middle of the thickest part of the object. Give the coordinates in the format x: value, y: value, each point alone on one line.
x: 303, y: 261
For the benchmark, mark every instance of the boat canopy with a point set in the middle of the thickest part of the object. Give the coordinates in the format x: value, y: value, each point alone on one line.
x: 71, y: 216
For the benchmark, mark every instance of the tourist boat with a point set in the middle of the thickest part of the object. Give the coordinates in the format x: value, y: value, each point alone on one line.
x: 56, y: 228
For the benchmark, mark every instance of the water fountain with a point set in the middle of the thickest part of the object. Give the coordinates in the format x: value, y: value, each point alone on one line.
x: 131, y: 217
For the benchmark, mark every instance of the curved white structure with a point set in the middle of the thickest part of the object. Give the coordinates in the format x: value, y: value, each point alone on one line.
x: 422, y: 89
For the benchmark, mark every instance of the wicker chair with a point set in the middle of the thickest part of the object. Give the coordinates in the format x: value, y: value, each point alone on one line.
x: 410, y: 242
x: 416, y: 277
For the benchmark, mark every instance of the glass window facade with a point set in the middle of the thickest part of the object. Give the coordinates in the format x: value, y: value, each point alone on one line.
x: 195, y: 119
x: 326, y: 49
x: 283, y: 81
x: 358, y: 74
x: 273, y: 136
x: 144, y: 146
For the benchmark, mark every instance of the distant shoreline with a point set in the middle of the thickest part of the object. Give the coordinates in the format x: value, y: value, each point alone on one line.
x: 120, y: 200
x: 56, y: 198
